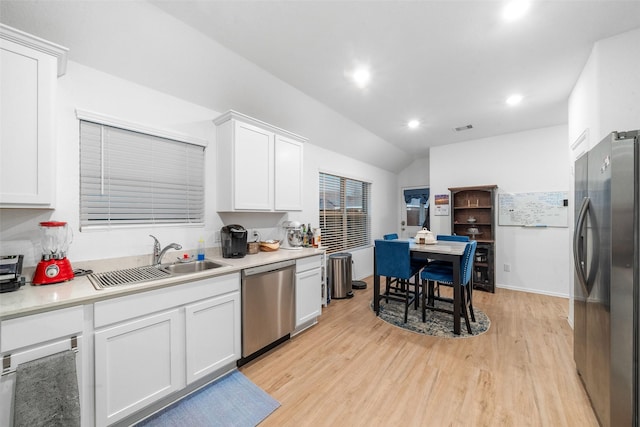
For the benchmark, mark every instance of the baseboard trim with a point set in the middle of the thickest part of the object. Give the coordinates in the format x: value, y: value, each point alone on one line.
x: 533, y: 291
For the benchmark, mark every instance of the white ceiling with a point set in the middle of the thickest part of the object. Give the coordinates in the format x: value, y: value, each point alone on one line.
x: 449, y: 63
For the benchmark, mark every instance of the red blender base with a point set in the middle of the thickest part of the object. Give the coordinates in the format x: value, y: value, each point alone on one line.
x: 52, y: 271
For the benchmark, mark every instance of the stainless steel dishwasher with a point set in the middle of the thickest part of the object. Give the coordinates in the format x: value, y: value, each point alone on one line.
x: 268, y: 307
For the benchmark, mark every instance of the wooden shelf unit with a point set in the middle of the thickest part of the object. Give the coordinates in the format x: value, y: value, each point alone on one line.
x: 477, y: 202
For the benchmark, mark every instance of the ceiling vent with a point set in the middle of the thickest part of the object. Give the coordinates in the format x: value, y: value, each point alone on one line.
x: 461, y: 128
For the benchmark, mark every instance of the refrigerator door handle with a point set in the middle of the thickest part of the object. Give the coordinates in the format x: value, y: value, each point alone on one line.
x: 579, y: 263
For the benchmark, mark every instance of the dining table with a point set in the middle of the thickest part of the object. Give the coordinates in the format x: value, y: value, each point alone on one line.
x: 440, y: 250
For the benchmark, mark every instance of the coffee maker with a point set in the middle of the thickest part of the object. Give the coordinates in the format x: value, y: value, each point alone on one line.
x: 234, y: 241
x: 54, y: 267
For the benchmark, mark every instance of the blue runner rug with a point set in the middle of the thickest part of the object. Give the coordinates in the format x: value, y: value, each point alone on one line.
x: 232, y: 400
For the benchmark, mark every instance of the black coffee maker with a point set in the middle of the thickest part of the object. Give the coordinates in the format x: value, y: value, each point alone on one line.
x: 234, y: 241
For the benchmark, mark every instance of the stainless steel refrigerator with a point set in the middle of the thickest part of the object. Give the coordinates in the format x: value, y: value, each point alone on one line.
x: 606, y: 256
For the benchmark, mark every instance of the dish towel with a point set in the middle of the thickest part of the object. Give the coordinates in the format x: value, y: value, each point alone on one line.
x: 47, y: 392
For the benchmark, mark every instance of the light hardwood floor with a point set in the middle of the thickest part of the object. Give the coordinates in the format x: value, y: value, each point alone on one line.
x: 353, y: 369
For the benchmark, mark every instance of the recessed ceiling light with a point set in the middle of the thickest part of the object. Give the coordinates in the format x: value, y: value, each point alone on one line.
x: 413, y: 123
x: 514, y: 99
x: 515, y: 9
x: 361, y: 77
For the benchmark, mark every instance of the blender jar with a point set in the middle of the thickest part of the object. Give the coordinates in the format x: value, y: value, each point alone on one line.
x: 55, y: 239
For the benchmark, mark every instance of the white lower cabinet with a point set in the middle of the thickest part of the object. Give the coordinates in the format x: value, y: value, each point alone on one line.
x: 136, y: 363
x: 152, y: 344
x: 308, y: 290
x: 212, y: 335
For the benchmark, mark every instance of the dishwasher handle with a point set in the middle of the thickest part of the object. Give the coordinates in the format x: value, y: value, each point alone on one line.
x: 267, y: 268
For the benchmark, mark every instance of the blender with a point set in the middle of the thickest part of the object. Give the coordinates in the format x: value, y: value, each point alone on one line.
x: 54, y: 267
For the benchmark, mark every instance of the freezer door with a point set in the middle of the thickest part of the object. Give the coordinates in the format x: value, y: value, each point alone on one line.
x: 624, y: 217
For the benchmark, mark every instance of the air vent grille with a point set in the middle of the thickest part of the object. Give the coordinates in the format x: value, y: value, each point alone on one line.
x: 127, y: 276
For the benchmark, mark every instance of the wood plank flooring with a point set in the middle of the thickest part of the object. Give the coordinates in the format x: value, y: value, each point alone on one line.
x: 353, y: 369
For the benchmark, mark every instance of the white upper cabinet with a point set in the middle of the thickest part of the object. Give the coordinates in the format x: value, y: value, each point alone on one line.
x: 288, y: 176
x: 259, y: 166
x: 28, y: 72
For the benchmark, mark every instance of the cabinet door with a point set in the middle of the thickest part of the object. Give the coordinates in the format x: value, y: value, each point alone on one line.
x: 27, y: 85
x: 253, y: 168
x: 308, y: 292
x: 136, y: 363
x: 288, y: 178
x: 213, y: 335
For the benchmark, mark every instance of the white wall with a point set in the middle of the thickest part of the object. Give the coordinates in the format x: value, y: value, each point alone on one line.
x: 89, y: 89
x: 139, y: 42
x: 529, y: 161
x: 604, y: 99
x: 383, y: 196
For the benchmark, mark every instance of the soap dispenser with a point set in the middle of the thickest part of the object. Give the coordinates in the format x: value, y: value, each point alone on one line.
x: 201, y: 249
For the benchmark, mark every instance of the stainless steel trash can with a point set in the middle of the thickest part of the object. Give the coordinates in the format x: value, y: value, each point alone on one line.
x: 340, y: 275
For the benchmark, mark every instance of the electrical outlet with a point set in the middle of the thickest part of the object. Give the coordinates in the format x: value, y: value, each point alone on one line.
x: 507, y: 267
x: 216, y: 237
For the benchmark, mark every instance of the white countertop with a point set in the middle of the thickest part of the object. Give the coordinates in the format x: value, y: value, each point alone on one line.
x: 30, y: 299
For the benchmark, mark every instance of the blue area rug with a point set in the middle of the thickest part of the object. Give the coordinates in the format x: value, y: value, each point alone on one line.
x: 232, y: 400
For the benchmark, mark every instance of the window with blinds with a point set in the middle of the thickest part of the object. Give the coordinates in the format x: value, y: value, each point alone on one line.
x: 344, y: 213
x: 129, y: 178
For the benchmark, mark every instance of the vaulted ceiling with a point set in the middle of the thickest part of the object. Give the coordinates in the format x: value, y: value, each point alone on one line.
x: 446, y: 63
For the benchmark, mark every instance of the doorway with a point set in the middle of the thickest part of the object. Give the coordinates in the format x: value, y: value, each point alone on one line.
x: 414, y: 210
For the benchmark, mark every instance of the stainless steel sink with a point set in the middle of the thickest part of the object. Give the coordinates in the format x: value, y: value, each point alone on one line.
x: 149, y: 273
x: 190, y: 267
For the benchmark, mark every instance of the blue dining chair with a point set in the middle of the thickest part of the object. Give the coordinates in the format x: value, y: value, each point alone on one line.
x: 449, y: 238
x: 393, y: 260
x: 415, y: 261
x: 444, y: 274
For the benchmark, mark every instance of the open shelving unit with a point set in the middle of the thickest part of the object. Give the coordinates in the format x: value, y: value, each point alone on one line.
x: 474, y: 216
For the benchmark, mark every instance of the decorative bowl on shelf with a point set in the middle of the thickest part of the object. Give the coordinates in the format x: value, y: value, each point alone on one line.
x: 471, y: 220
x: 473, y: 230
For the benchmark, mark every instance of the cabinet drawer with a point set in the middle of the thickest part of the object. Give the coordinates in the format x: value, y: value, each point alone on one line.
x: 309, y: 263
x: 132, y: 306
x: 39, y: 328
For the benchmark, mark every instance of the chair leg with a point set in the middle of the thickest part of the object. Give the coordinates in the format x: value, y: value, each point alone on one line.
x: 470, y: 294
x: 416, y: 288
x: 406, y: 300
x: 464, y: 309
x: 430, y: 300
x: 473, y: 316
x: 424, y: 301
x: 386, y: 291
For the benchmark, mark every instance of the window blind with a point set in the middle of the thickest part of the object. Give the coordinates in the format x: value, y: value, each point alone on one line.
x: 129, y: 177
x: 344, y: 213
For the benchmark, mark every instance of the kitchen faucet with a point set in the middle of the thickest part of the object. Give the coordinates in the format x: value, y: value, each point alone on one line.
x: 159, y: 253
